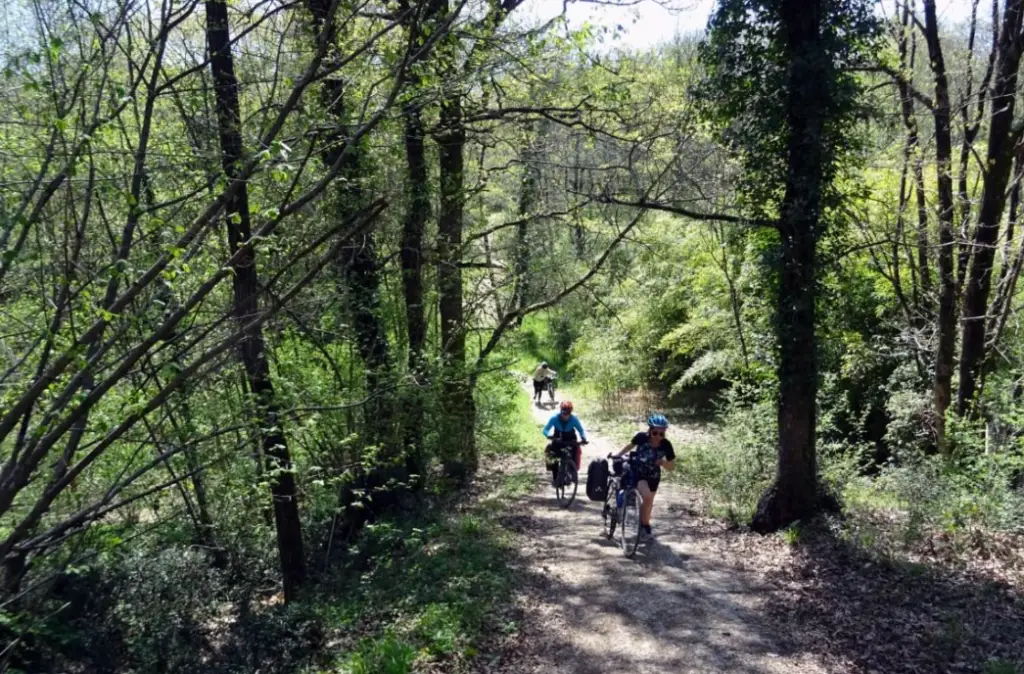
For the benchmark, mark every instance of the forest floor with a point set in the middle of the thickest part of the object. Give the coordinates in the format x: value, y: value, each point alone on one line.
x: 702, y: 596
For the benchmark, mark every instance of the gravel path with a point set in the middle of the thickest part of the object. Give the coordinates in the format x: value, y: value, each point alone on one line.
x: 676, y: 607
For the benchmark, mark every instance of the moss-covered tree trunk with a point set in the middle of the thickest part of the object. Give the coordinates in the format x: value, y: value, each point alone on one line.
x: 458, y: 440
x: 528, y: 197
x: 414, y: 226
x: 793, y: 495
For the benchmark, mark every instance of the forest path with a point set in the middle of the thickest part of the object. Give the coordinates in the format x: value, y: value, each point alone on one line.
x: 675, y: 607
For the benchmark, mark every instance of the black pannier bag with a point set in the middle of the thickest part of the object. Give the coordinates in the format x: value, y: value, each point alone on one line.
x: 597, y: 480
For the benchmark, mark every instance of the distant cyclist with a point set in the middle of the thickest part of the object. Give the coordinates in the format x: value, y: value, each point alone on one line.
x: 654, y: 452
x: 565, y: 425
x: 541, y: 376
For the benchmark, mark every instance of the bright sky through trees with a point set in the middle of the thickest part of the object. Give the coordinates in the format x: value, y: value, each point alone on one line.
x: 648, y: 22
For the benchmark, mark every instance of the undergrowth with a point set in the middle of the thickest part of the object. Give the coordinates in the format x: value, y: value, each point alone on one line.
x: 425, y: 585
x: 439, y: 589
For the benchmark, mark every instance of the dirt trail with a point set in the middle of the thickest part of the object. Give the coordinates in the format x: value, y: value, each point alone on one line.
x: 676, y: 607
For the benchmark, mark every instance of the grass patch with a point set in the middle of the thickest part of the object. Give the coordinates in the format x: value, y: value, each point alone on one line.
x: 516, y: 485
x: 505, y: 424
x: 439, y: 588
x: 792, y: 535
x: 1001, y: 666
x: 386, y: 655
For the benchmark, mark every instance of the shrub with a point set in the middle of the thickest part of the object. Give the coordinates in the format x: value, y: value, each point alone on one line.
x: 738, y: 463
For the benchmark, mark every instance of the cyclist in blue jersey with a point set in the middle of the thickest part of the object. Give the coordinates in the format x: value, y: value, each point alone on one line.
x: 654, y: 452
x: 565, y: 425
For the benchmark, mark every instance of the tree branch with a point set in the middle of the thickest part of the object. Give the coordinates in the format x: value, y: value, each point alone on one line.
x: 644, y: 203
x: 509, y: 318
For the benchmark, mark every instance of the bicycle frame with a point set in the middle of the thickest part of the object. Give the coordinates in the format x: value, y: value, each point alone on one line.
x: 621, y: 488
x: 566, y: 471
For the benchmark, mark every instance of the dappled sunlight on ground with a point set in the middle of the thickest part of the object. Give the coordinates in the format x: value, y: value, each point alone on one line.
x: 706, y: 597
x: 675, y: 607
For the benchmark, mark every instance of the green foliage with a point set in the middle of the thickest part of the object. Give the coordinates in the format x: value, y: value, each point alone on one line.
x: 387, y: 655
x: 432, y: 587
x: 1001, y: 666
x: 436, y: 590
x: 504, y: 423
x: 605, y: 360
x: 538, y: 341
x: 747, y: 67
x: 737, y: 462
x: 182, y: 575
x: 792, y: 535
x: 933, y: 496
x: 166, y: 603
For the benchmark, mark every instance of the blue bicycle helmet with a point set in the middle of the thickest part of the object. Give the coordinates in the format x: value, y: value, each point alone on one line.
x: 657, y: 420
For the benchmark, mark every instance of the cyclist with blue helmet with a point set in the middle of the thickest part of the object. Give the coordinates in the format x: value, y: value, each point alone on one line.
x: 654, y: 452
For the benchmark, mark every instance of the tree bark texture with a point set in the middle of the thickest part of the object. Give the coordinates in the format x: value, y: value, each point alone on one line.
x: 999, y: 163
x: 922, y: 295
x: 414, y: 227
x: 528, y: 195
x: 245, y: 286
x: 947, y: 315
x: 459, y: 455
x: 793, y: 495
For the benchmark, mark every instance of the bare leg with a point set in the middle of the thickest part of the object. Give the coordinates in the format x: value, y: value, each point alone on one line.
x: 648, y: 507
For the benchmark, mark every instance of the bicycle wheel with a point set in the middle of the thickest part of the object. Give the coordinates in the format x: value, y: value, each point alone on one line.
x: 632, y: 503
x: 567, y: 483
x: 610, y: 512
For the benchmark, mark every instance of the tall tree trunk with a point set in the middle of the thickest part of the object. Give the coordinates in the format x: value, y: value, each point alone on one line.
x: 794, y: 495
x: 579, y: 234
x: 969, y: 133
x: 946, y: 322
x: 1009, y: 270
x: 358, y: 275
x: 528, y: 189
x: 245, y: 285
x: 908, y: 57
x: 1012, y: 219
x: 1001, y: 305
x: 414, y: 227
x: 926, y: 306
x: 359, y: 272
x: 358, y: 281
x: 459, y: 455
x: 999, y: 161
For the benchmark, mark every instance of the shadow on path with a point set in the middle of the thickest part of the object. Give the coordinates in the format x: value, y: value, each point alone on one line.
x: 701, y: 598
x: 672, y: 608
